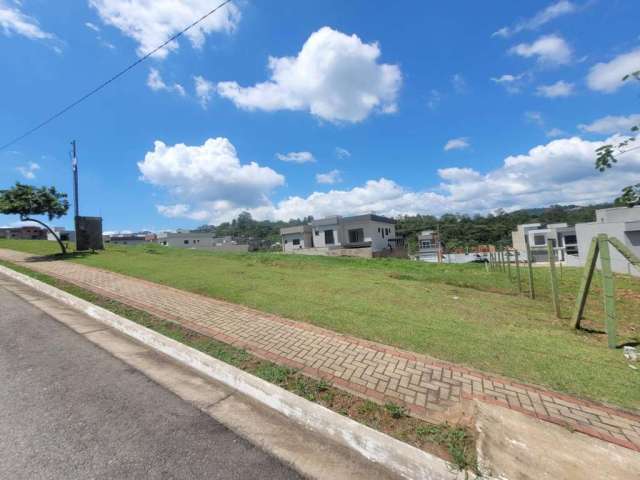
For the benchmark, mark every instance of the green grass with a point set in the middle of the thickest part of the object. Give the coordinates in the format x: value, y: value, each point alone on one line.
x: 455, y: 443
x: 458, y: 313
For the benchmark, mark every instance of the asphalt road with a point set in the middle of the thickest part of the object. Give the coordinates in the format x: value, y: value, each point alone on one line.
x: 69, y: 410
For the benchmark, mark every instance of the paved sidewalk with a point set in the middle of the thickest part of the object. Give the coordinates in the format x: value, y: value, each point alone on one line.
x: 430, y: 388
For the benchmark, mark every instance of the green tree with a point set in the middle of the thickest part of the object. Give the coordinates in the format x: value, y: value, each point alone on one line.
x: 607, y: 156
x: 26, y: 200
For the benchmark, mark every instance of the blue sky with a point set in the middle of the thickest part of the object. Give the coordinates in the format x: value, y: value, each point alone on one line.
x: 288, y: 108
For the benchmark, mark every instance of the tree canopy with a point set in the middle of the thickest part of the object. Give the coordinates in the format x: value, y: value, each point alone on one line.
x: 26, y: 201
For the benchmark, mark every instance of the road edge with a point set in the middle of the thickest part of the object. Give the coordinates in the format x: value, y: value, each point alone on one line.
x: 394, y: 455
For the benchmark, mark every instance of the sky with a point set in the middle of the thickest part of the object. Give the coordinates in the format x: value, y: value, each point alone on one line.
x: 287, y: 109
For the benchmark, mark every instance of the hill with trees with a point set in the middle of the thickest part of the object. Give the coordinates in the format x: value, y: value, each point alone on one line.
x: 456, y: 230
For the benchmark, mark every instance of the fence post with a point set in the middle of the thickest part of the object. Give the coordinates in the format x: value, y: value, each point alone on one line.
x: 532, y: 292
x: 502, y: 259
x: 554, y: 279
x: 509, y: 264
x: 518, y: 271
x: 608, y: 290
x: 587, y: 275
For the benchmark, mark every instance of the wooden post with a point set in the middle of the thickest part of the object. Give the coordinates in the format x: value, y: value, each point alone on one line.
x: 555, y: 298
x: 502, y: 260
x: 587, y: 275
x: 517, y: 254
x: 509, y: 264
x: 532, y: 292
x: 608, y: 290
x: 625, y: 252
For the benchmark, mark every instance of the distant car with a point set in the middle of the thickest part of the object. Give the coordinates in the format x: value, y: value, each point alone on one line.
x: 480, y: 259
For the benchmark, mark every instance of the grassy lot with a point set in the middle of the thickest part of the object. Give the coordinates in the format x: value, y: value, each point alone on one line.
x: 458, y: 313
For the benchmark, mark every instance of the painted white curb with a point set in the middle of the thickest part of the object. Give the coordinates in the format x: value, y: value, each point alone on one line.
x: 399, y: 457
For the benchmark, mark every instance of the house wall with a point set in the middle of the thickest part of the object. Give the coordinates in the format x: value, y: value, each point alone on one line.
x: 287, y: 242
x: 318, y: 235
x: 619, y: 264
x: 374, y: 232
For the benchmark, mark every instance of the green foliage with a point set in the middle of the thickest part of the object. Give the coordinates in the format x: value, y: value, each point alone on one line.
x: 495, y: 229
x: 395, y: 410
x: 26, y: 200
x: 607, y: 156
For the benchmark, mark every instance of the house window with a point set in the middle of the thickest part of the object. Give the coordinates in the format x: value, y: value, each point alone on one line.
x: 317, y: 233
x: 539, y: 240
x: 378, y: 229
x: 186, y: 242
x: 425, y: 243
x: 570, y: 239
x: 296, y: 241
x: 356, y: 235
x: 328, y: 237
x: 286, y: 241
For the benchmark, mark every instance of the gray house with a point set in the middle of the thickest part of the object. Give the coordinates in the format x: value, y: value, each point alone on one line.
x: 622, y: 223
x: 200, y: 240
x: 562, y: 236
x: 361, y: 235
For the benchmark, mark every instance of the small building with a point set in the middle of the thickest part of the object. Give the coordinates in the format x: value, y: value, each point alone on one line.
x: 64, y: 235
x: 622, y: 223
x: 361, y: 235
x: 26, y: 232
x: 296, y: 238
x: 429, y: 246
x: 562, y: 236
x: 126, y: 239
x: 201, y: 240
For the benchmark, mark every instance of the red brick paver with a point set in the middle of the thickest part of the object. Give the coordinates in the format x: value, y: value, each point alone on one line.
x: 430, y: 388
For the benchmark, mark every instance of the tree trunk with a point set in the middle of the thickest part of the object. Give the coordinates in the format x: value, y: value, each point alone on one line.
x: 55, y: 235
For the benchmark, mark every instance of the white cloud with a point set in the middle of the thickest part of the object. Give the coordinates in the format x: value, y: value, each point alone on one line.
x: 459, y: 83
x: 549, y: 50
x: 435, y: 97
x: 92, y: 26
x: 152, y: 22
x: 561, y: 171
x: 555, y: 132
x: 457, y: 144
x: 296, y: 157
x: 511, y: 83
x: 335, y: 77
x: 329, y: 178
x: 607, y: 77
x: 342, y: 153
x: 157, y: 84
x: 14, y: 21
x: 553, y: 11
x: 209, y: 176
x: 535, y: 118
x: 204, y: 90
x: 555, y: 90
x: 611, y: 124
x: 28, y: 171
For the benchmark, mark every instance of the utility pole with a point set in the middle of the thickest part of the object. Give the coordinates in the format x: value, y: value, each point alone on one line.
x: 74, y: 163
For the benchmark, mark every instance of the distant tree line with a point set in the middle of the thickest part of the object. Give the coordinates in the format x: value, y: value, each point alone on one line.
x: 455, y: 230
x: 461, y: 231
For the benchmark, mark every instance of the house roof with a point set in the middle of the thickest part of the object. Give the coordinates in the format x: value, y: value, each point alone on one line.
x: 335, y: 220
x: 297, y: 229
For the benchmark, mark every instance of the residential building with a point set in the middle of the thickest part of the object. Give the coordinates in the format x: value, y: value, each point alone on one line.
x: 296, y: 238
x: 429, y: 246
x: 26, y: 232
x: 200, y: 240
x: 64, y: 235
x: 562, y: 236
x: 622, y: 223
x: 361, y: 235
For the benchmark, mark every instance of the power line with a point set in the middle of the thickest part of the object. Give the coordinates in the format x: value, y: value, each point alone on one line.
x: 112, y: 79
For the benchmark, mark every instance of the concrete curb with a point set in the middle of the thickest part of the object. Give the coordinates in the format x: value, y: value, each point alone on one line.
x: 398, y: 457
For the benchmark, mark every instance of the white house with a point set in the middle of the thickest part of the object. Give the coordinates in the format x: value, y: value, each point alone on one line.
x: 622, y: 223
x: 200, y: 240
x: 296, y: 238
x: 361, y: 235
x: 563, y: 237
